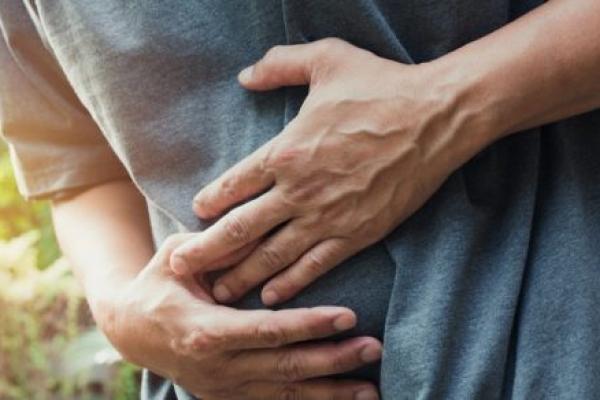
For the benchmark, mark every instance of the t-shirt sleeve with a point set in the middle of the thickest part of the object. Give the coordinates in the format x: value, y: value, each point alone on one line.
x: 55, y: 145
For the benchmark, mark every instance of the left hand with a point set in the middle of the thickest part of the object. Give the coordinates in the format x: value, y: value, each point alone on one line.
x: 372, y: 142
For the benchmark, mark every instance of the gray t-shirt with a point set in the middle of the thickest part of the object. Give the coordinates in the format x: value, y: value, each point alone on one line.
x: 491, y: 290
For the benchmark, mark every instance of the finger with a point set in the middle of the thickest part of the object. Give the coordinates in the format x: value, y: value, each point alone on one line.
x: 233, y: 258
x: 205, y: 284
x: 298, y: 363
x: 318, y: 389
x: 288, y: 65
x: 316, y: 262
x: 273, y: 255
x: 170, y: 244
x: 237, y: 228
x: 226, y: 329
x: 243, y: 180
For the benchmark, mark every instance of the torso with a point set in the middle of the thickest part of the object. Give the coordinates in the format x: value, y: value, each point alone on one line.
x: 447, y: 287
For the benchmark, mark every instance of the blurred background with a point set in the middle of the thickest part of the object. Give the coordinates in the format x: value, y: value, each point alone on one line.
x: 49, y: 347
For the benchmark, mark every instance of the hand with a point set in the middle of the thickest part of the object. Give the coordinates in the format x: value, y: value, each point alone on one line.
x: 172, y: 326
x: 372, y: 142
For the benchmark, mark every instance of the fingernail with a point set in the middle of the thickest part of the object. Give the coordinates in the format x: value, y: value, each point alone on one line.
x: 246, y: 74
x: 370, y: 353
x: 270, y: 297
x: 179, y: 265
x: 344, y: 322
x: 366, y: 394
x: 221, y: 293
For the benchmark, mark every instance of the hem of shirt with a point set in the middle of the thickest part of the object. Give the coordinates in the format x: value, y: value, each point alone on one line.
x: 49, y: 184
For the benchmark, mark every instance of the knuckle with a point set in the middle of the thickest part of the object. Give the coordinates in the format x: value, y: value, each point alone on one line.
x: 274, y: 53
x: 263, y: 69
x: 329, y: 45
x: 151, y: 314
x: 306, y: 188
x: 266, y: 160
x: 329, y: 42
x: 178, y: 346
x: 289, y: 367
x: 200, y: 341
x: 229, y: 186
x: 316, y: 264
x: 302, y: 194
x: 236, y: 229
x: 271, y: 259
x: 271, y: 335
x: 327, y: 55
x: 277, y: 159
x: 339, y: 363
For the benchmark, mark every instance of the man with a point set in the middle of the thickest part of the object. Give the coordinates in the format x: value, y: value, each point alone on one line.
x: 488, y: 290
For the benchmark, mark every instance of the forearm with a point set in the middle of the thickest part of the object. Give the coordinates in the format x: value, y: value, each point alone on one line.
x: 105, y: 234
x: 541, y: 68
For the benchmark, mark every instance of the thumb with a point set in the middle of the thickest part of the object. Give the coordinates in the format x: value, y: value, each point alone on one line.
x: 289, y: 65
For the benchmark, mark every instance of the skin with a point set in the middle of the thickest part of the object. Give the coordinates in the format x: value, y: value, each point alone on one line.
x: 172, y: 325
x: 374, y: 139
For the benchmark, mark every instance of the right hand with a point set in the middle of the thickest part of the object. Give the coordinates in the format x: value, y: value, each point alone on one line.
x: 172, y: 326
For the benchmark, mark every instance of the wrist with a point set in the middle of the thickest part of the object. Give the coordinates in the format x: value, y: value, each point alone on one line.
x: 116, y: 319
x: 471, y: 104
x: 105, y: 302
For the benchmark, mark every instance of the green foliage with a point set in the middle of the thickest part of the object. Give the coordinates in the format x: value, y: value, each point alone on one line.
x: 18, y: 216
x: 49, y: 347
x: 39, y: 314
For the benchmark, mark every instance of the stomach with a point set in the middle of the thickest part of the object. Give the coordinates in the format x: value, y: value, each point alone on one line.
x: 362, y: 283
